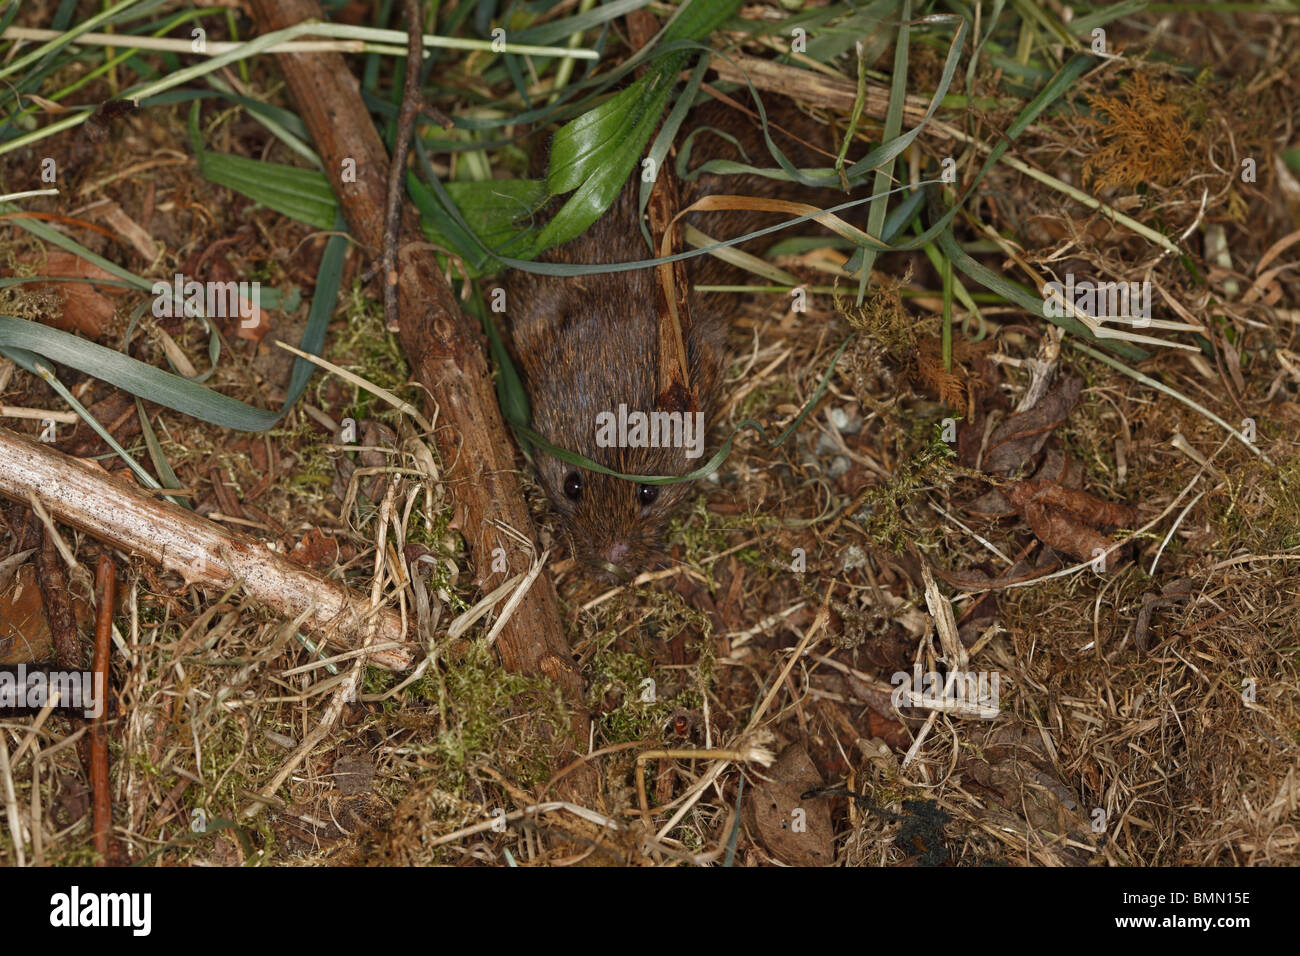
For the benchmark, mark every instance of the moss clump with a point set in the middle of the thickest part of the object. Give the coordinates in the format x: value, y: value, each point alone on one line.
x: 883, y: 319
x: 635, y: 697
x: 506, y: 719
x: 630, y: 693
x: 1262, y: 510
x: 884, y: 512
x: 1145, y: 137
x: 365, y: 346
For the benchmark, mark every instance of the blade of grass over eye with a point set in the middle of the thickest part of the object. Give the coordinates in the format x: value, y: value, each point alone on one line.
x: 892, y: 129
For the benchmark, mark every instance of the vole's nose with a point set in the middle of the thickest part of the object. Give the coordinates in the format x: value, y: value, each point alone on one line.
x: 615, y: 553
x: 610, y: 561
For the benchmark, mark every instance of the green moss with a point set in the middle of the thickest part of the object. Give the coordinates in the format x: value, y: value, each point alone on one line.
x: 701, y: 532
x: 884, y: 512
x: 365, y: 346
x: 635, y: 698
x: 644, y: 709
x: 1262, y: 510
x: 502, y: 718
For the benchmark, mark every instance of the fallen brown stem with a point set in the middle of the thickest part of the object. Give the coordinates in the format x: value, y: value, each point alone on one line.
x: 106, y: 594
x: 397, y: 169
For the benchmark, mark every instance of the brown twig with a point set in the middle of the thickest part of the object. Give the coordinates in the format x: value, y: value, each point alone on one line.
x: 106, y: 595
x: 448, y: 357
x: 397, y: 169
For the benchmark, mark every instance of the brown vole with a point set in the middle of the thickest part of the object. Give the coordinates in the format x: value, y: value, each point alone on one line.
x: 587, y: 345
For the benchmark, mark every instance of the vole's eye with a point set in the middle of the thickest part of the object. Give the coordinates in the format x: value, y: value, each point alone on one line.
x: 647, y: 494
x: 573, y: 486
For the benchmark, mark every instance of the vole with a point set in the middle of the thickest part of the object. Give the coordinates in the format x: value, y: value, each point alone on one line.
x: 586, y: 345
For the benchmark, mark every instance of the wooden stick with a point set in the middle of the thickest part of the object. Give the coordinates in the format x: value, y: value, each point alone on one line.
x: 448, y: 356
x: 106, y: 588
x: 809, y: 87
x: 85, y: 497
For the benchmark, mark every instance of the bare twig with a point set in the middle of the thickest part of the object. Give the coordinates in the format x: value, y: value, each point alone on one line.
x: 106, y: 588
x: 106, y: 508
x: 397, y: 169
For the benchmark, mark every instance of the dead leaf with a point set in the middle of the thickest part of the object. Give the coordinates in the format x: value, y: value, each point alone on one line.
x: 1064, y: 533
x: 796, y: 831
x: 1077, y: 504
x: 24, y: 628
x: 315, y: 550
x: 1022, y: 435
x: 86, y: 306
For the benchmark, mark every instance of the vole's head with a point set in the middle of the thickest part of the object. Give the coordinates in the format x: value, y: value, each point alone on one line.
x: 616, y: 526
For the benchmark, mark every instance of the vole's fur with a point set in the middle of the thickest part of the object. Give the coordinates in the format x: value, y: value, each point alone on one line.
x: 587, y: 344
